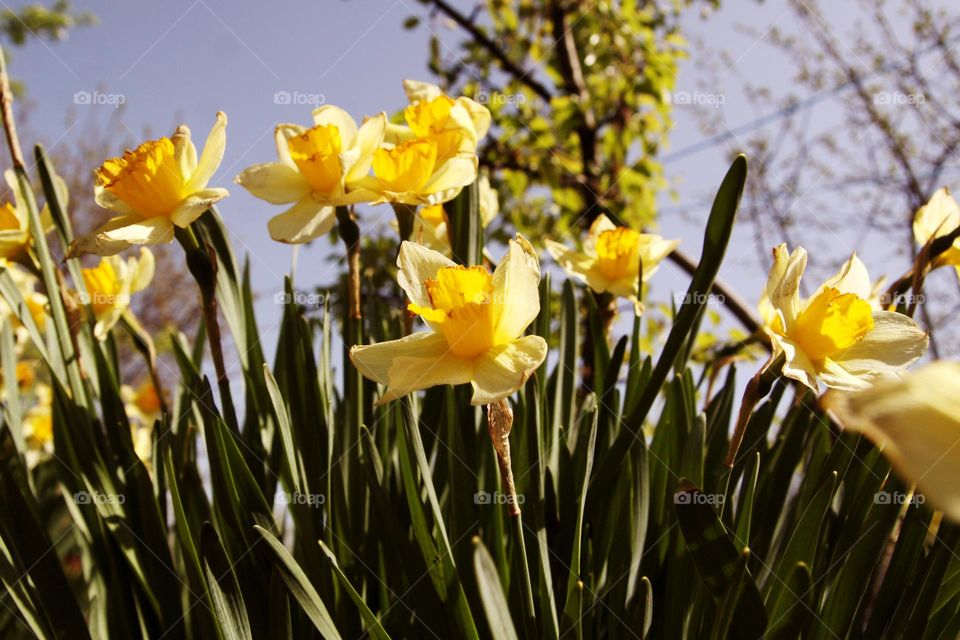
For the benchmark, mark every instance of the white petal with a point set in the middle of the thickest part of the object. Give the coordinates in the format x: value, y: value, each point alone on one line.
x: 515, y: 282
x: 504, y: 369
x: 274, y: 182
x: 303, y: 222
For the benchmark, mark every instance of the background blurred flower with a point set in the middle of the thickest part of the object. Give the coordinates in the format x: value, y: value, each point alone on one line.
x: 110, y: 284
x: 916, y: 422
x: 155, y: 187
x: 316, y: 170
x: 477, y: 321
x: 836, y: 336
x: 611, y: 258
x: 939, y: 217
x: 15, y: 238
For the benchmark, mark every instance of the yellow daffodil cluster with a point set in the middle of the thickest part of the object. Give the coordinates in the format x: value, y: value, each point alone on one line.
x: 426, y: 162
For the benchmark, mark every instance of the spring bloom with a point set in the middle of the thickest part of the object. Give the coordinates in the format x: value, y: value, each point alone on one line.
x: 316, y: 171
x: 430, y: 223
x: 939, y: 217
x: 111, y: 283
x: 916, y: 422
x: 142, y: 406
x: 158, y: 186
x: 612, y: 257
x: 431, y: 158
x: 477, y: 320
x: 15, y: 237
x: 38, y: 427
x: 836, y: 336
x: 35, y: 303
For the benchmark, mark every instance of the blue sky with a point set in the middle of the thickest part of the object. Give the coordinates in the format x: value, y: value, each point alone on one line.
x: 183, y: 60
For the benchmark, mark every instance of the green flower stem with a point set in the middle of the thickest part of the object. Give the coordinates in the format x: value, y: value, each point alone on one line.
x: 144, y: 344
x: 405, y: 214
x: 203, y: 266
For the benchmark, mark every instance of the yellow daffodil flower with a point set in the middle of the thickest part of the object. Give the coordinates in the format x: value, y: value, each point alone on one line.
x: 158, y: 186
x: 15, y: 237
x: 916, y: 422
x: 836, y: 336
x: 430, y: 223
x: 477, y: 320
x: 36, y: 302
x: 939, y: 217
x: 110, y: 285
x: 456, y: 125
x: 317, y: 170
x: 38, y: 427
x: 143, y: 410
x: 431, y: 158
x: 611, y: 258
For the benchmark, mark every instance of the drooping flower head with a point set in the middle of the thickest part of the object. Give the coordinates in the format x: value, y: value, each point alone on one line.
x: 477, y: 321
x: 939, y: 217
x: 110, y: 284
x: 612, y: 256
x: 158, y: 186
x: 836, y: 336
x: 317, y: 170
x: 916, y: 422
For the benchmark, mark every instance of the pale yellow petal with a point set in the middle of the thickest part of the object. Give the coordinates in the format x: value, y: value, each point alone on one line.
x: 142, y: 270
x: 184, y: 151
x: 516, y: 285
x: 415, y: 362
x: 797, y: 365
x: 504, y: 369
x: 330, y: 115
x: 600, y: 224
x: 479, y: 115
x: 369, y: 139
x: 212, y: 154
x: 121, y: 233
x: 416, y: 265
x: 417, y: 90
x: 304, y: 221
x: 274, y: 182
x: 783, y: 283
x: 108, y: 200
x: 653, y: 249
x: 938, y: 217
x: 916, y: 422
x: 895, y: 342
x: 851, y: 278
x: 194, y: 205
x: 451, y: 176
x: 576, y: 264
x: 281, y: 134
